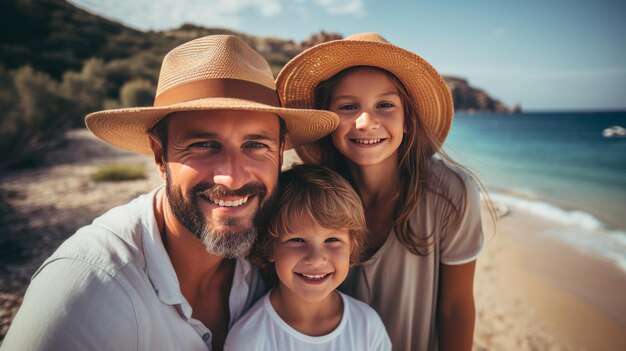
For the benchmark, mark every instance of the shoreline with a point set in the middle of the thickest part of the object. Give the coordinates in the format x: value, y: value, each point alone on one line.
x: 549, y: 290
x: 574, y: 228
x: 532, y: 292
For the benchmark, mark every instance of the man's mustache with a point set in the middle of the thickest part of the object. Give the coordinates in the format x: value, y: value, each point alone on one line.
x: 219, y: 191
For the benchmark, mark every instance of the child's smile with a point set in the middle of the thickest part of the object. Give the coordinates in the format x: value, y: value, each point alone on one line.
x: 313, y: 262
x: 371, y: 117
x: 314, y: 278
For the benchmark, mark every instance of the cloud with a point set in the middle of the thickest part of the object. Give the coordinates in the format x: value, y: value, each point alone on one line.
x: 164, y: 14
x: 343, y: 7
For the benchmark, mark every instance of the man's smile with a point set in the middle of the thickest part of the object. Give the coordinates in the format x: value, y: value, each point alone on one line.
x: 231, y: 202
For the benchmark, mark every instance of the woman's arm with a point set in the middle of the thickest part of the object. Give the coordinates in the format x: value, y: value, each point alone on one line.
x: 455, y: 311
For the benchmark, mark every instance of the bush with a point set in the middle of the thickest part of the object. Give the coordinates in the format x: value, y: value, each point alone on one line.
x: 113, y: 173
x: 137, y: 93
x: 144, y: 65
x: 86, y: 89
x: 33, y: 114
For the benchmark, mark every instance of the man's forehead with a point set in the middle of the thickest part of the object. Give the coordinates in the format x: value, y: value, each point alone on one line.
x: 225, y: 121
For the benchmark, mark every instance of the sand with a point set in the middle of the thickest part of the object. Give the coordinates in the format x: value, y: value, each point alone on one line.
x: 535, y: 293
x: 532, y: 292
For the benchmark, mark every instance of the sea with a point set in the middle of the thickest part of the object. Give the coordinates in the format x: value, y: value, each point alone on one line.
x: 561, y: 166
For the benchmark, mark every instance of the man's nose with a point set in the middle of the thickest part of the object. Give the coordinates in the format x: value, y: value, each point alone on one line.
x: 366, y: 121
x: 231, y: 171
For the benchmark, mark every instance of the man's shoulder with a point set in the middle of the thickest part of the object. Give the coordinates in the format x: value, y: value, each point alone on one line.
x: 111, y: 241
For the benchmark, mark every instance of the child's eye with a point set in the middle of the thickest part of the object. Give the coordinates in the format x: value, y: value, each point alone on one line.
x: 295, y: 240
x: 385, y: 105
x: 348, y: 107
x: 332, y: 240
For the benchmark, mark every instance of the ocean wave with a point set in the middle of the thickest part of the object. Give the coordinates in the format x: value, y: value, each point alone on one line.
x: 579, y: 229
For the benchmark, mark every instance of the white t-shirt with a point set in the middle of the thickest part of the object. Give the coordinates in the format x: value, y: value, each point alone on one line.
x: 261, y: 328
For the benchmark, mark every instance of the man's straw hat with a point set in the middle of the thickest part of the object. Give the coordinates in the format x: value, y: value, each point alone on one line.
x: 297, y: 80
x: 218, y: 72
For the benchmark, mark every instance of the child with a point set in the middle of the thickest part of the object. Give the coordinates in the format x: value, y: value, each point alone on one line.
x: 315, y: 233
x: 422, y: 209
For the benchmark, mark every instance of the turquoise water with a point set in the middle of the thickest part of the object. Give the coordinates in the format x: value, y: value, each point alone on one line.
x: 557, y: 165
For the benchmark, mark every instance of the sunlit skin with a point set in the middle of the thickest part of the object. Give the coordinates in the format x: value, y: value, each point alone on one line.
x: 371, y: 118
x: 310, y: 265
x: 227, y: 148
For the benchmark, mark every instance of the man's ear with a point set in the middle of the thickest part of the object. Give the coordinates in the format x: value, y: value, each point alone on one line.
x: 281, y: 152
x: 157, y: 150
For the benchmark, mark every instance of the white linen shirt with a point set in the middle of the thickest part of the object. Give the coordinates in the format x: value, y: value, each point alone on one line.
x: 111, y: 286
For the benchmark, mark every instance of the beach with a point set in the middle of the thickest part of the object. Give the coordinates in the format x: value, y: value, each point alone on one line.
x: 533, y: 292
x: 537, y: 293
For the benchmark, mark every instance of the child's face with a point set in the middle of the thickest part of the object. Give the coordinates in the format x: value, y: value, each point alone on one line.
x: 312, y: 262
x: 371, y: 117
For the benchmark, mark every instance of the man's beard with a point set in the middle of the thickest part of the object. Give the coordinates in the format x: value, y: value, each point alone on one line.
x: 231, y: 242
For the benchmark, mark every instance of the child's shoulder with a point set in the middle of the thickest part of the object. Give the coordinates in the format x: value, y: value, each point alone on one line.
x: 250, y: 329
x: 358, y: 310
x: 364, y: 322
x: 448, y: 172
x: 250, y: 321
x: 450, y: 179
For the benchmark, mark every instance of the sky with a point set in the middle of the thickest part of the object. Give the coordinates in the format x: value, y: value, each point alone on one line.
x: 546, y: 55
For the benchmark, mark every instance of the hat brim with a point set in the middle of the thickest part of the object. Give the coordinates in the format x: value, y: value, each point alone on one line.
x: 297, y: 80
x: 127, y: 128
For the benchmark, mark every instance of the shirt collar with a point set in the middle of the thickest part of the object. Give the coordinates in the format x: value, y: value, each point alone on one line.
x: 158, y: 264
x: 163, y: 276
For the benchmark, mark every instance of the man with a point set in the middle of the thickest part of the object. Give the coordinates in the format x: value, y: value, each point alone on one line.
x: 167, y: 270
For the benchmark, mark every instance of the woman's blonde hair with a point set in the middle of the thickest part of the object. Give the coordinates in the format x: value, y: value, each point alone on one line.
x: 307, y: 195
x: 414, y: 153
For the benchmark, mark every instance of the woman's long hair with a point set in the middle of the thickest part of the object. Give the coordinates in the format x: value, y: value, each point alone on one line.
x: 414, y: 154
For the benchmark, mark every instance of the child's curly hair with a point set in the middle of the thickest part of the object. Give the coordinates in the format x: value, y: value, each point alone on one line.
x: 310, y: 194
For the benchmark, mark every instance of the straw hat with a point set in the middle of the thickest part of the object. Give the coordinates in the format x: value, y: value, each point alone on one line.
x: 218, y: 72
x: 297, y: 80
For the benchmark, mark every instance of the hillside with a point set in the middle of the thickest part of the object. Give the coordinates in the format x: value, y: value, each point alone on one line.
x: 55, y: 37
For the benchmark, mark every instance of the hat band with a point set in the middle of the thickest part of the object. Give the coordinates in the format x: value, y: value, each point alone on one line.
x: 212, y: 88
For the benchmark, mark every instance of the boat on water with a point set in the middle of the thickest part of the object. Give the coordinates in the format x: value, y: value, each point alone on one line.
x: 614, y: 132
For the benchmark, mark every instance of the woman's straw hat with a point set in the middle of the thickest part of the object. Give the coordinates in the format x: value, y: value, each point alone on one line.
x: 218, y: 72
x: 297, y: 80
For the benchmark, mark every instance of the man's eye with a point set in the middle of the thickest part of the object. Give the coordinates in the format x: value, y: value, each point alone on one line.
x: 255, y: 145
x: 205, y: 145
